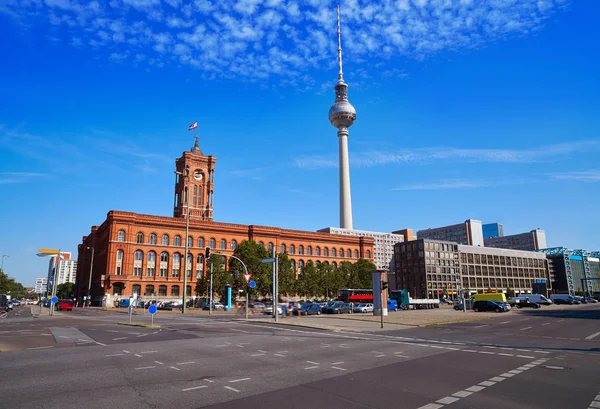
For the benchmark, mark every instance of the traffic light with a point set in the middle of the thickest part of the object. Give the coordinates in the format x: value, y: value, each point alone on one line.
x: 384, y: 285
x: 207, y: 253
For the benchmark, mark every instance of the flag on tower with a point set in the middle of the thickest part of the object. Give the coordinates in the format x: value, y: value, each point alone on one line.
x: 193, y: 126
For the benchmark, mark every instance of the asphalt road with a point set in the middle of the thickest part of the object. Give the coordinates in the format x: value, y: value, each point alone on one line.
x: 544, y: 359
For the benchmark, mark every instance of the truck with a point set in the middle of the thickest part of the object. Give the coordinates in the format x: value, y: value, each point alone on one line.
x: 405, y: 301
x: 490, y: 297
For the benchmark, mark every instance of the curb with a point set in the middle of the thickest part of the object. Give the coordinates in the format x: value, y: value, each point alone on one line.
x: 138, y: 324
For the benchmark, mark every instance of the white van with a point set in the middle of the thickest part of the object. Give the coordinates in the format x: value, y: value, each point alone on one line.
x: 540, y: 299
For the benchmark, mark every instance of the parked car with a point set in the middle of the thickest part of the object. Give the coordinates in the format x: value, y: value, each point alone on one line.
x: 364, y: 308
x: 458, y: 305
x: 563, y: 299
x: 328, y: 308
x: 216, y: 306
x: 489, y: 305
x: 338, y: 308
x: 268, y: 310
x: 64, y: 305
x: 527, y: 303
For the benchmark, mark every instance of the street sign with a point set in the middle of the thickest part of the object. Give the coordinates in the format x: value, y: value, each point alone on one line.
x: 48, y: 251
x: 268, y: 260
x: 247, y: 277
x: 252, y: 284
x: 152, y: 310
x: 54, y: 299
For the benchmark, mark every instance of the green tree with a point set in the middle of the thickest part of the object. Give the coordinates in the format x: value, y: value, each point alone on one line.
x: 287, y: 275
x: 9, y: 286
x: 64, y: 290
x: 251, y: 253
x: 359, y: 274
x: 309, y: 280
x: 220, y: 275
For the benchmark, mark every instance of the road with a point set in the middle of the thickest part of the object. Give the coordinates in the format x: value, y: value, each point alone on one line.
x: 546, y: 358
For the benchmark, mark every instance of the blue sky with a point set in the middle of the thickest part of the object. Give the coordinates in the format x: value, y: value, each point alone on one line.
x: 465, y: 109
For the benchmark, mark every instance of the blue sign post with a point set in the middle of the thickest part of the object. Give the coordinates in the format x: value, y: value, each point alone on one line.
x: 228, y: 299
x: 152, y: 311
x: 252, y: 284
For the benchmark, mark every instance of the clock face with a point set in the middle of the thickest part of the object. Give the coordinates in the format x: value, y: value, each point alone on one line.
x: 198, y: 175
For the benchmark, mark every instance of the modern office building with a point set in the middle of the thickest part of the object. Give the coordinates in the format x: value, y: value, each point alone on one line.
x: 408, y: 234
x: 434, y: 268
x: 492, y: 230
x: 41, y: 285
x: 530, y: 241
x: 574, y: 272
x: 67, y: 272
x: 383, y: 248
x: 145, y: 253
x: 469, y: 233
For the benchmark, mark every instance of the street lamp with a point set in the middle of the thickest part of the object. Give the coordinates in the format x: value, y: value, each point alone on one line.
x: 89, y: 294
x: 186, y: 174
x: 2, y: 265
x: 57, y: 253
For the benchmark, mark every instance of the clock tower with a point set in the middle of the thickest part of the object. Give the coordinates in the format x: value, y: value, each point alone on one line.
x: 198, y: 184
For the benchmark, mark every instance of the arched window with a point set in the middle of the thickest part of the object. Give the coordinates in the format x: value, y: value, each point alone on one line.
x: 368, y: 253
x: 341, y: 252
x: 137, y: 289
x: 176, y: 264
x: 188, y: 291
x: 309, y: 250
x: 164, y: 263
x: 139, y: 238
x: 260, y: 243
x: 151, y: 264
x: 138, y: 257
x: 326, y: 252
x: 201, y: 242
x: 233, y: 244
x: 175, y: 291
x: 121, y: 235
x: 300, y: 266
x: 355, y: 253
x: 318, y: 251
x: 270, y: 247
x: 300, y: 249
x: 213, y: 243
x: 153, y: 238
x: 199, y: 265
x: 162, y: 290
x: 165, y: 240
x: 333, y: 252
x: 292, y: 249
x: 189, y: 265
x: 119, y: 266
x: 334, y: 264
x: 149, y: 290
x: 177, y: 242
x: 326, y: 263
x: 348, y: 253
x: 190, y: 241
x: 293, y: 265
x: 282, y: 248
x: 223, y: 244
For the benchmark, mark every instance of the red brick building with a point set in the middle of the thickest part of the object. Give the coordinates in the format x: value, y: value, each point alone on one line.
x: 144, y: 253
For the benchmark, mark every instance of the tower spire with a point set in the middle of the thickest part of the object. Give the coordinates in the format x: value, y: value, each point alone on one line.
x: 339, y: 34
x: 342, y: 115
x: 196, y: 147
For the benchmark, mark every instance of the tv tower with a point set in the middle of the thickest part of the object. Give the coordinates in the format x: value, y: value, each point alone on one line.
x: 342, y: 115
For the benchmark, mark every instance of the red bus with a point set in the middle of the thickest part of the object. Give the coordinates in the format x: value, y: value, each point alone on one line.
x: 355, y: 295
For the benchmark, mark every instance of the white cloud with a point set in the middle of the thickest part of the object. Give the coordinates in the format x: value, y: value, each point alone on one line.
x: 246, y: 29
x: 583, y: 176
x: 428, y: 155
x: 460, y: 184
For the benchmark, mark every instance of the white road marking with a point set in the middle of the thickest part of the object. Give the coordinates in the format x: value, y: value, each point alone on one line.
x: 239, y: 346
x: 489, y: 346
x: 593, y: 336
x: 114, y: 355
x: 487, y: 352
x: 525, y: 356
x: 63, y: 336
x: 526, y: 328
x: 487, y: 383
x: 257, y: 354
x: 545, y: 323
x: 283, y: 356
x: 239, y: 380
x: 338, y: 363
x: 505, y: 322
x: 338, y: 368
x: 148, y: 352
x: 185, y: 363
x: 231, y: 389
x: 482, y: 326
x: 111, y: 330
x: 260, y: 350
x: 142, y: 335
x: 51, y: 346
x: 475, y: 388
x: 173, y: 367
x: 497, y: 379
x: 195, y: 387
x: 145, y: 367
x: 431, y: 406
x: 462, y: 394
x: 138, y: 355
x: 117, y: 339
x: 447, y: 400
x: 312, y: 367
x: 127, y: 352
x: 209, y: 380
x: 100, y: 343
x: 503, y: 354
x: 158, y: 362
x: 560, y: 321
x: 314, y: 363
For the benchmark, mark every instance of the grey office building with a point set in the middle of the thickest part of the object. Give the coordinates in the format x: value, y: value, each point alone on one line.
x: 530, y: 241
x: 469, y: 233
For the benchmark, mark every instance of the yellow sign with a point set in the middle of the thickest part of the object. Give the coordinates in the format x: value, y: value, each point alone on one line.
x: 47, y: 251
